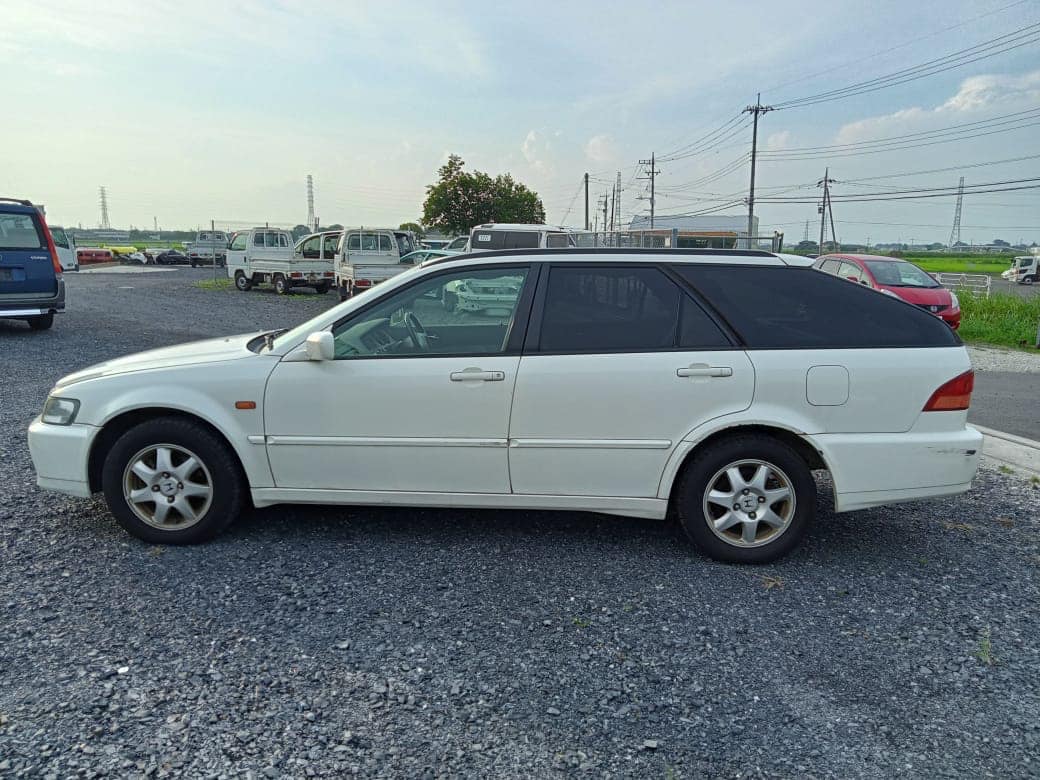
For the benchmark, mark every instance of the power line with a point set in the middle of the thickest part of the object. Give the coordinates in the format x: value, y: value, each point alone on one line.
x: 943, y: 170
x: 989, y: 48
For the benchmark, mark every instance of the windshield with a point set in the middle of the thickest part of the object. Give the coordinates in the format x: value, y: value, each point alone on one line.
x: 305, y: 329
x: 897, y: 273
x: 60, y: 239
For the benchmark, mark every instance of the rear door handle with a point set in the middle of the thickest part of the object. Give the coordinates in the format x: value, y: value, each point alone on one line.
x: 703, y: 369
x: 477, y: 375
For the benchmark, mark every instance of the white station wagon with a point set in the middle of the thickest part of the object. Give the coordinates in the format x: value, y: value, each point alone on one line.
x: 631, y: 382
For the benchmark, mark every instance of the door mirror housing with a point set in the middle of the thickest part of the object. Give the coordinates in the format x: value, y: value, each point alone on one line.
x: 321, y: 346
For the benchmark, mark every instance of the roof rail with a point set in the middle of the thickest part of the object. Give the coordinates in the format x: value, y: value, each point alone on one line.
x: 547, y: 252
x: 20, y: 201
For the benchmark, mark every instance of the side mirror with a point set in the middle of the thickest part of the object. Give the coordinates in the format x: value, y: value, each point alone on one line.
x: 321, y: 346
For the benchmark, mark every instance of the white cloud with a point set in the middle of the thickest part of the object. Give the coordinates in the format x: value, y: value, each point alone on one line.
x: 601, y: 149
x: 976, y: 95
x: 537, y: 150
x: 778, y: 140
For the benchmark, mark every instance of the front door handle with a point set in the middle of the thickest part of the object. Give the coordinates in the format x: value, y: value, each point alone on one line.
x: 703, y: 369
x: 477, y: 375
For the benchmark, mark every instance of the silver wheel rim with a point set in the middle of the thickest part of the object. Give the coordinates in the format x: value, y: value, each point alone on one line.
x: 749, y: 503
x: 168, y: 487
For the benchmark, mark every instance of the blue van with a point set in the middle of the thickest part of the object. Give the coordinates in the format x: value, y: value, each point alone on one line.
x: 31, y: 285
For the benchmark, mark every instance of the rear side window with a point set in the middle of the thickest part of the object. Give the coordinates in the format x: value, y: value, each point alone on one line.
x: 590, y: 309
x: 830, y: 266
x: 20, y: 231
x: 799, y: 308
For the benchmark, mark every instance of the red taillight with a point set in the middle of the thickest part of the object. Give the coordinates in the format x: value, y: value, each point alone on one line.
x: 953, y: 396
x: 50, y: 246
x: 296, y: 275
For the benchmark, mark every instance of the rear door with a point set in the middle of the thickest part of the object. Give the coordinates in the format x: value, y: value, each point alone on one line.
x: 26, y: 269
x: 619, y: 365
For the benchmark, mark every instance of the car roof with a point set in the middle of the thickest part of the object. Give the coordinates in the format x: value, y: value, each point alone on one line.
x: 519, y: 226
x: 844, y: 256
x: 16, y: 206
x: 610, y: 254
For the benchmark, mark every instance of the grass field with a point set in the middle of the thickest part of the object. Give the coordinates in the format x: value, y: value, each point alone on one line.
x: 961, y: 264
x: 220, y: 283
x: 1006, y: 320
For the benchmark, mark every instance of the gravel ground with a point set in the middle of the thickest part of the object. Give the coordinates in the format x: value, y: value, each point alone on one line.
x: 1005, y: 360
x: 326, y: 642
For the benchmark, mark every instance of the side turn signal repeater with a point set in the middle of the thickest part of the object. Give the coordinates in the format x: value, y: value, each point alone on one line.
x: 245, y: 404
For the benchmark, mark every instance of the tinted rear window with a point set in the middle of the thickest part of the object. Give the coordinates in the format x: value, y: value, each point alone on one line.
x: 801, y: 308
x: 20, y: 231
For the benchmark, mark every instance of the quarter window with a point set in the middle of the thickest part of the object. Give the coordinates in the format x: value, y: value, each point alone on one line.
x: 830, y: 266
x: 798, y: 308
x: 465, y: 312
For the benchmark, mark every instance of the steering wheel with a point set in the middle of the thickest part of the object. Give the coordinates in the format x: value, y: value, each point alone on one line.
x: 417, y: 332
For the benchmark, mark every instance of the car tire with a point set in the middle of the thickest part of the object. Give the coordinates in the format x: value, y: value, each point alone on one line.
x: 281, y: 284
x: 136, y: 453
x: 1028, y: 280
x: 193, y: 264
x: 243, y: 282
x: 344, y: 292
x: 741, y: 532
x: 41, y: 321
x: 321, y: 288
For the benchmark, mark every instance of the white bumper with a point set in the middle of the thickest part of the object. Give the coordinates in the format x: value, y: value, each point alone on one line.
x: 874, y: 469
x: 59, y: 454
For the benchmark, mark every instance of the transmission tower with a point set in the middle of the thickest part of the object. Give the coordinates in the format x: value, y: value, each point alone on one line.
x: 310, y: 201
x: 955, y: 234
x: 103, y: 202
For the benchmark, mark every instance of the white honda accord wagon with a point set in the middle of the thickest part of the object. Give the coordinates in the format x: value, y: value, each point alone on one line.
x: 694, y: 383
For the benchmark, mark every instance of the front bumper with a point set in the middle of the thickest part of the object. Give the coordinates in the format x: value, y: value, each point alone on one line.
x: 32, y: 307
x: 59, y: 455
x: 875, y: 469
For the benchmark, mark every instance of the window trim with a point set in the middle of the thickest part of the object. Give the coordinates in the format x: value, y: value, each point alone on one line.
x: 532, y: 344
x: 517, y: 329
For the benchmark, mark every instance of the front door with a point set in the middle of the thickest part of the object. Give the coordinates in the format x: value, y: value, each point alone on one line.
x: 417, y: 399
x: 620, y: 365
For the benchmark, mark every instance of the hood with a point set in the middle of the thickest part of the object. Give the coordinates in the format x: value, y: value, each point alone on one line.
x: 922, y: 296
x: 193, y: 353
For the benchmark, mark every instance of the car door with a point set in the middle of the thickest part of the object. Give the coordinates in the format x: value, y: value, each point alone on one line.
x: 620, y: 364
x: 416, y: 400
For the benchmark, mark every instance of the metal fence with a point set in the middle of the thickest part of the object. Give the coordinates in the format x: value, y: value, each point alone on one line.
x: 673, y: 239
x: 978, y: 285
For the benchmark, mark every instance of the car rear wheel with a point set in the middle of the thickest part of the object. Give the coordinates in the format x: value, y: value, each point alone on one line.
x: 172, y: 481
x: 243, y: 282
x: 1028, y: 280
x: 749, y: 499
x: 281, y: 284
x: 344, y: 292
x: 41, y: 321
x: 321, y: 288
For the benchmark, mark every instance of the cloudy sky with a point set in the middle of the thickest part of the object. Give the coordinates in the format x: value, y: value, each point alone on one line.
x: 190, y: 111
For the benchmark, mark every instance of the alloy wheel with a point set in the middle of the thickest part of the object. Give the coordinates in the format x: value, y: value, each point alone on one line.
x: 168, y: 487
x: 749, y: 503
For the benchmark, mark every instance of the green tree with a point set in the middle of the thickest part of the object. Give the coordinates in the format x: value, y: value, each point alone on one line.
x: 459, y: 200
x: 414, y: 227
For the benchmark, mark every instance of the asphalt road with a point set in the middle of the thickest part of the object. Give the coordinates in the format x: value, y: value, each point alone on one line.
x: 1008, y: 402
x: 330, y: 642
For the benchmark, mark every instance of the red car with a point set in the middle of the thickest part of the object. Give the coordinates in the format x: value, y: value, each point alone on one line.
x: 895, y: 277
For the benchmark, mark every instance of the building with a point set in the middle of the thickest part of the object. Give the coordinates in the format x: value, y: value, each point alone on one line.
x: 713, y: 231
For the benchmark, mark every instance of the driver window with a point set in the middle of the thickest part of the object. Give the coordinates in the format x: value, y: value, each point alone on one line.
x: 464, y: 312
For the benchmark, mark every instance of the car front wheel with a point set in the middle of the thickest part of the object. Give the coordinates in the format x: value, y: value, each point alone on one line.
x: 1027, y: 280
x: 281, y: 284
x: 172, y: 481
x: 243, y: 282
x: 749, y: 499
x: 41, y: 321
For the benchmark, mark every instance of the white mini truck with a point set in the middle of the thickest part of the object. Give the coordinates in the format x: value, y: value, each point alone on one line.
x: 369, y: 256
x: 698, y: 384
x: 268, y: 256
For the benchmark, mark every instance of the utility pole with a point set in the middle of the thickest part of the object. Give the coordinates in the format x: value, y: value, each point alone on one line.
x: 605, y: 195
x: 310, y: 202
x: 650, y: 175
x: 618, y: 205
x: 613, y: 198
x: 586, y: 200
x: 754, y: 110
x: 825, y: 182
x: 955, y: 234
x: 103, y: 202
x: 806, y: 236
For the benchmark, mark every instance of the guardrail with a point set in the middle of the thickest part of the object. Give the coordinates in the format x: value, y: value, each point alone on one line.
x: 976, y: 284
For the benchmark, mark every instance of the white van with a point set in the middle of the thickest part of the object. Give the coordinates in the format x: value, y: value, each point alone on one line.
x: 507, y: 236
x: 66, y: 247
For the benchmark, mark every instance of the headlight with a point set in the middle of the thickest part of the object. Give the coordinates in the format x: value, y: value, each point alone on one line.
x: 953, y: 298
x: 60, y: 411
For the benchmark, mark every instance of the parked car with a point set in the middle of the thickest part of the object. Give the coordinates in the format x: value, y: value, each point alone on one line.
x: 209, y: 247
x: 171, y: 257
x: 89, y: 254
x: 31, y: 284
x: 66, y: 248
x: 368, y: 256
x: 140, y: 258
x: 457, y: 244
x: 319, y: 246
x: 267, y: 256
x: 896, y: 277
x: 629, y: 382
x: 494, y: 236
x: 422, y: 255
x: 1023, y: 270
